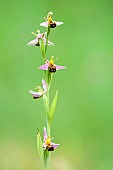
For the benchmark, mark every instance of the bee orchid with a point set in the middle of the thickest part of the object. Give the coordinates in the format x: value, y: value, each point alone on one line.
x: 40, y: 91
x: 47, y: 144
x: 36, y: 41
x: 50, y: 22
x: 49, y: 65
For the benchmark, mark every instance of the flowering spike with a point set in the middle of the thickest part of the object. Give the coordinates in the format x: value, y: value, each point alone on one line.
x: 42, y: 40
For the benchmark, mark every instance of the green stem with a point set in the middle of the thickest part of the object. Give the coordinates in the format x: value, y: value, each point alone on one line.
x: 48, y: 163
x: 47, y: 154
x: 48, y: 32
x: 48, y: 128
x: 46, y: 160
x: 46, y: 43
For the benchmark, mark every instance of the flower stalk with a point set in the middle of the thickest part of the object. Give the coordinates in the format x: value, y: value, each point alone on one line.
x: 48, y: 32
x: 45, y: 146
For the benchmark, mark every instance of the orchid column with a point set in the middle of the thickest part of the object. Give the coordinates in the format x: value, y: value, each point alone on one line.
x: 49, y: 67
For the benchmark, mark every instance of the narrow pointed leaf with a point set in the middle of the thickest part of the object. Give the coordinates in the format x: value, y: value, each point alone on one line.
x: 39, y: 145
x: 52, y: 109
x: 46, y: 159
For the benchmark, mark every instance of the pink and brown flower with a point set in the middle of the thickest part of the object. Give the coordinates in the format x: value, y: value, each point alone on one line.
x: 47, y: 144
x: 40, y: 92
x: 49, y: 65
x: 36, y: 41
x: 50, y: 22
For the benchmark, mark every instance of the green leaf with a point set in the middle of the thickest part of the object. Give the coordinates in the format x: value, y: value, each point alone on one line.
x: 39, y: 145
x: 52, y: 109
x: 42, y: 47
x: 46, y: 103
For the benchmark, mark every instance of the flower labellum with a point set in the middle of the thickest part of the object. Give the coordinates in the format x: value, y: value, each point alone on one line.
x: 36, y: 41
x: 50, y: 22
x: 49, y: 65
x: 40, y: 91
x: 47, y: 144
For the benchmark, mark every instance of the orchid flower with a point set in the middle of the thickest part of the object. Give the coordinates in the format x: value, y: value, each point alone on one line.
x: 49, y: 65
x: 36, y: 41
x: 50, y: 22
x: 47, y: 144
x: 40, y: 91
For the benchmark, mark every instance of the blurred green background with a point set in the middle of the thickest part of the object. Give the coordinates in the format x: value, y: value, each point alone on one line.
x: 83, y: 122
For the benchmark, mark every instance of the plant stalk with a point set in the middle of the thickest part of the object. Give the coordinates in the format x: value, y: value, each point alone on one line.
x: 47, y: 154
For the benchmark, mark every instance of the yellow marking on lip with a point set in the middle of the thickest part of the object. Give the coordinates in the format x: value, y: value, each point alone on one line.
x: 49, y: 19
x: 48, y: 140
x: 39, y: 90
x: 51, y: 62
